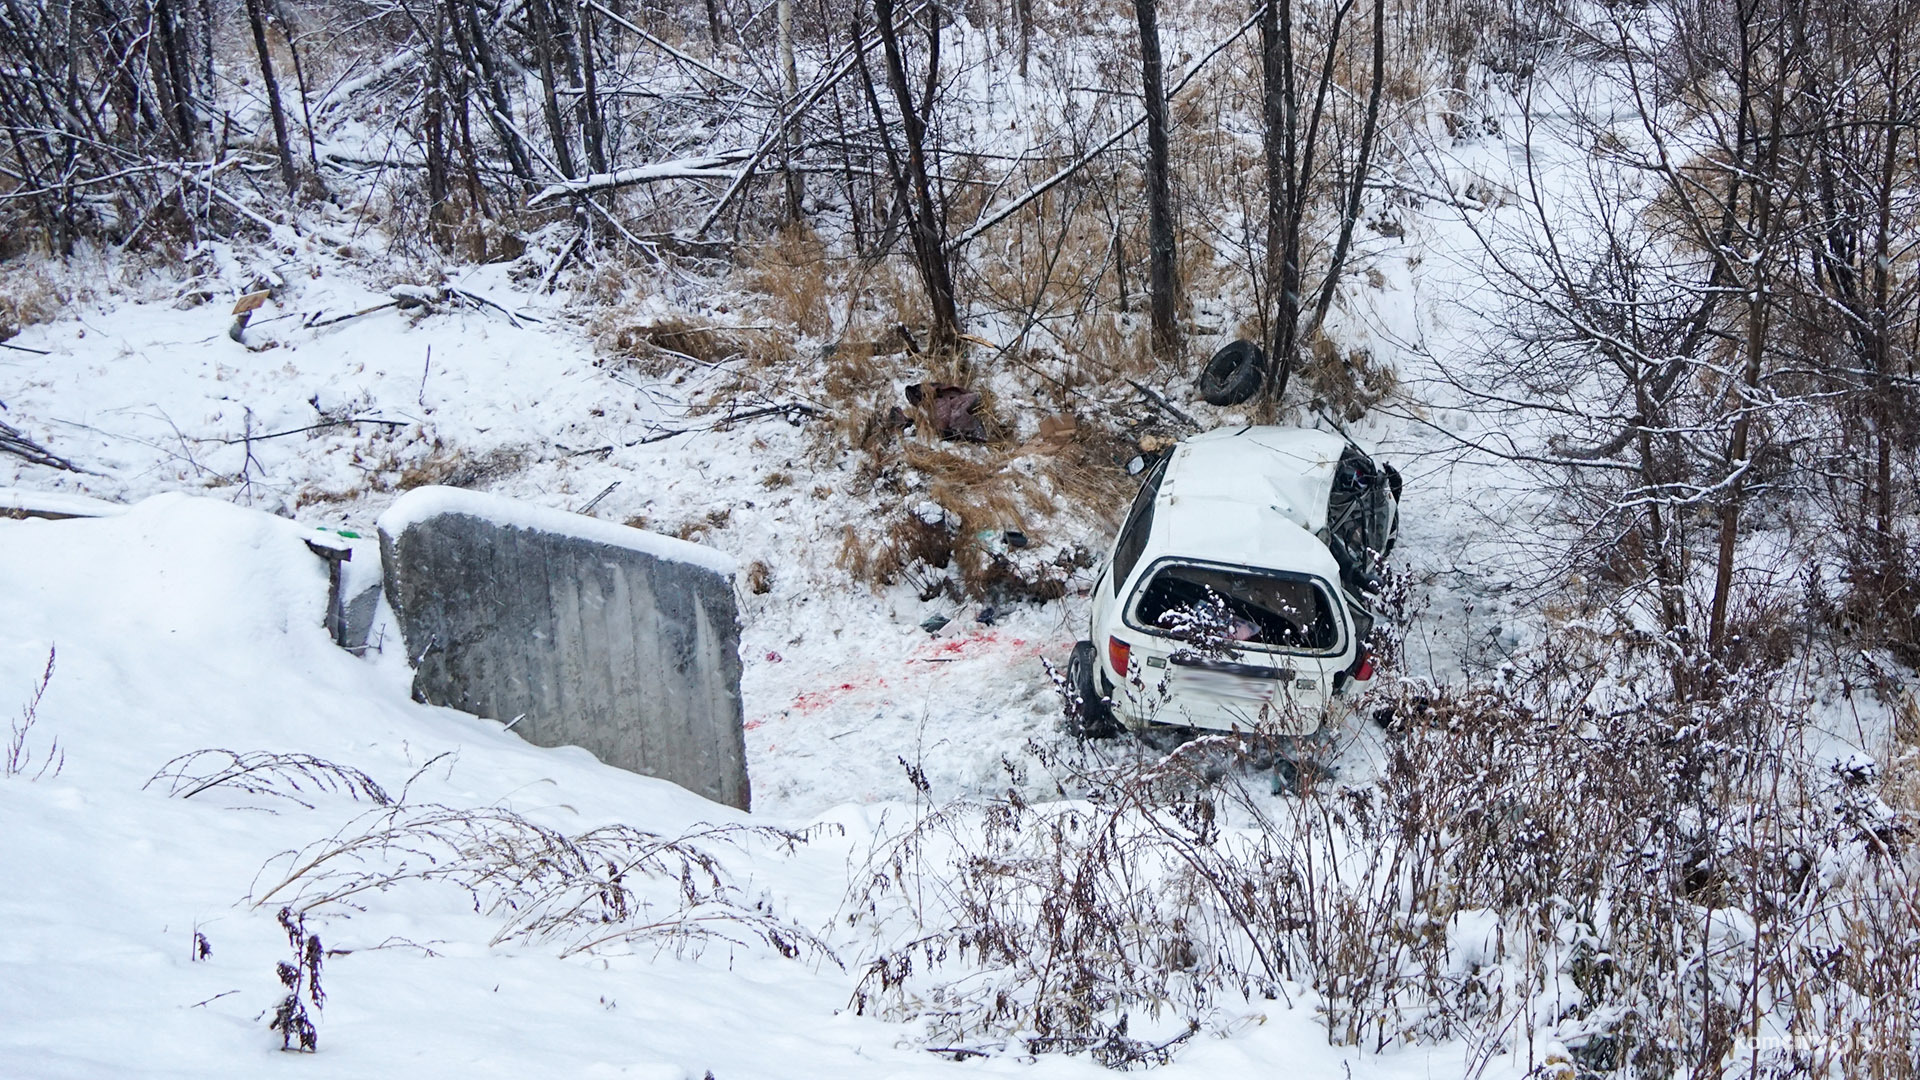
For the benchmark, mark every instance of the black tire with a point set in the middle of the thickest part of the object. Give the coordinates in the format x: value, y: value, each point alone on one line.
x: 1234, y: 374
x: 1096, y: 719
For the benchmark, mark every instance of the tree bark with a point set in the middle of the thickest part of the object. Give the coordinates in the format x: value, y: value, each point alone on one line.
x: 258, y: 21
x: 796, y: 183
x: 925, y: 225
x: 1162, y: 285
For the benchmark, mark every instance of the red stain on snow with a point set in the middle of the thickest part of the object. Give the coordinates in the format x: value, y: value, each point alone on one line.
x: 988, y: 641
x: 820, y: 699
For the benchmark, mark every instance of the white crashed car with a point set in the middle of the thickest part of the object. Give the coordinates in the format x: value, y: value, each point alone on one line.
x: 1232, y: 597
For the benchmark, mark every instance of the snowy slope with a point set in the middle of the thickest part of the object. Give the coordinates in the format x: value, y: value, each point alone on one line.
x: 190, y: 623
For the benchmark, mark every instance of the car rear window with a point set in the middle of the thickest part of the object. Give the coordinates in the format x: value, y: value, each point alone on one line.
x: 1276, y: 610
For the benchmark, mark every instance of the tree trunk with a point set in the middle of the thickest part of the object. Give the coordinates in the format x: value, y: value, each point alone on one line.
x: 174, y: 76
x: 478, y: 57
x: 1356, y: 188
x: 1023, y: 9
x: 544, y: 48
x: 593, y: 128
x: 1760, y: 238
x: 790, y: 88
x: 1161, y: 254
x: 924, y: 224
x: 1281, y: 311
x: 259, y: 24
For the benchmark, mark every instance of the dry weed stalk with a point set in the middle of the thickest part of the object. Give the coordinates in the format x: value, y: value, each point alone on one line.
x: 291, y: 777
x: 20, y: 755
x: 582, y: 892
x: 1657, y: 887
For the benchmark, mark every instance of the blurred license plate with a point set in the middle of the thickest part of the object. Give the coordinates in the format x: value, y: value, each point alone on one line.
x: 1226, y: 684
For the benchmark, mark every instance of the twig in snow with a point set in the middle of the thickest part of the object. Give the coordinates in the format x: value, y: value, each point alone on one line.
x: 1170, y: 408
x: 17, y: 444
x: 595, y: 501
x: 316, y: 427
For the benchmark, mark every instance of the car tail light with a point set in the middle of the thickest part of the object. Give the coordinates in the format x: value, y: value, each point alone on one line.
x: 1363, y: 670
x: 1118, y: 653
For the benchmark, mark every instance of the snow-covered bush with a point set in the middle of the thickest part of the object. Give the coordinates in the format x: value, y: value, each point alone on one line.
x: 1645, y: 888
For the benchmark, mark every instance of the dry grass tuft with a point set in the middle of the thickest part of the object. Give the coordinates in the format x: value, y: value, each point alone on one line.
x: 986, y: 489
x: 759, y: 578
x: 662, y: 345
x: 1901, y: 787
x: 29, y: 295
x: 1348, y: 382
x: 453, y: 467
x: 791, y: 271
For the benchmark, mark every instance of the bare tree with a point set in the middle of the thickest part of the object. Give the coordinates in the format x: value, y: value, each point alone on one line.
x: 257, y: 20
x: 1297, y: 104
x: 926, y: 225
x: 1162, y: 286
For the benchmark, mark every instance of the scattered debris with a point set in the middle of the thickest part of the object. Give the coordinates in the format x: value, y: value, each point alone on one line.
x: 243, y: 310
x: 953, y: 410
x: 932, y: 623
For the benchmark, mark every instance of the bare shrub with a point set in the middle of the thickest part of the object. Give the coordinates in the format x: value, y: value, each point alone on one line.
x: 1649, y: 884
x: 20, y: 752
x: 289, y: 777
x: 581, y: 892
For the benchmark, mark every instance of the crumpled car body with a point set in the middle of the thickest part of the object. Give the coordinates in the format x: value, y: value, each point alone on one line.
x: 1232, y: 598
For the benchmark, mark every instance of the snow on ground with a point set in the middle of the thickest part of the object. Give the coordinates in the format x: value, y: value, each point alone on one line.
x: 193, y: 622
x: 188, y: 623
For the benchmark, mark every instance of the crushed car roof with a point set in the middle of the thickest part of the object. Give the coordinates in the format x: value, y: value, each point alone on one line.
x: 1288, y: 469
x: 1252, y: 496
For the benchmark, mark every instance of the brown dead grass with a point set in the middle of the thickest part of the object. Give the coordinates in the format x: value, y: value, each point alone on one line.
x: 454, y: 467
x: 661, y: 345
x: 1901, y: 788
x: 1346, y: 382
x: 29, y: 295
x: 792, y: 272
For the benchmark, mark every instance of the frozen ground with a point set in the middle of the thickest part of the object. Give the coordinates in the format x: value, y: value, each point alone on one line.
x: 188, y: 623
x: 192, y: 622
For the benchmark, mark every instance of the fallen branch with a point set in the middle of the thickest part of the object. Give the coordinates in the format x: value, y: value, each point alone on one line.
x: 711, y: 167
x: 17, y: 444
x: 315, y: 427
x: 319, y: 322
x: 512, y: 316
x: 1168, y: 406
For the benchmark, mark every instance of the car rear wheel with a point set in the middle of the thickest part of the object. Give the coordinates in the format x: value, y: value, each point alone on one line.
x: 1095, y: 719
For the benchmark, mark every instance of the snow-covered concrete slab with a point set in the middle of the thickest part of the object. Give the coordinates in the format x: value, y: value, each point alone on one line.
x: 22, y: 502
x: 574, y: 631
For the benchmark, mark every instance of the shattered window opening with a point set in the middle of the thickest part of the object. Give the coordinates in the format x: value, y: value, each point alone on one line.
x: 1272, y: 610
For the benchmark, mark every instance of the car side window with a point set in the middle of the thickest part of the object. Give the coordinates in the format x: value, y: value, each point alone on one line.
x: 1133, y: 534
